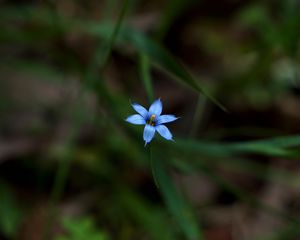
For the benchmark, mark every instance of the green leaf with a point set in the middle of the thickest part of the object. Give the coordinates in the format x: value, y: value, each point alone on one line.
x: 145, y: 75
x: 81, y: 229
x: 278, y: 146
x: 175, y: 202
x: 158, y: 55
x: 10, y: 212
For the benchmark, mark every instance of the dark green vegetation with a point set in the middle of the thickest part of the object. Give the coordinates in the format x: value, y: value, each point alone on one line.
x: 71, y: 168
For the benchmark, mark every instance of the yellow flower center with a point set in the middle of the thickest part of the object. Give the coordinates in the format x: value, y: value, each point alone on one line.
x: 151, y: 120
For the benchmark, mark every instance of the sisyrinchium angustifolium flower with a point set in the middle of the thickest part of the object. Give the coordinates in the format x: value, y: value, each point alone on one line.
x: 153, y: 120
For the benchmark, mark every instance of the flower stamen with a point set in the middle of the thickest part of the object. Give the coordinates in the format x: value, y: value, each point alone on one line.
x: 151, y: 120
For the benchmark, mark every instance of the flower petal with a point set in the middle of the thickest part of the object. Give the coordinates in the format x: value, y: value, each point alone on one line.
x: 155, y: 108
x: 140, y: 109
x: 164, y: 132
x: 136, y: 119
x: 149, y: 132
x: 165, y: 119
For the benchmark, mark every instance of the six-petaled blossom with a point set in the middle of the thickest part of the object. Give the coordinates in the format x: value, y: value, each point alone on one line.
x: 152, y: 120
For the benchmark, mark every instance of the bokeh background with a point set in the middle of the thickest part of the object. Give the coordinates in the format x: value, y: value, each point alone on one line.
x: 71, y: 168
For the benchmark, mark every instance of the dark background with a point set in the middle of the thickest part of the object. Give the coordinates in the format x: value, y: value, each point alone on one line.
x: 71, y: 168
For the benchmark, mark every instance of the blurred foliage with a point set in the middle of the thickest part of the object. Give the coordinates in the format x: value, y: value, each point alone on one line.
x: 11, y: 213
x: 80, y: 229
x: 69, y: 70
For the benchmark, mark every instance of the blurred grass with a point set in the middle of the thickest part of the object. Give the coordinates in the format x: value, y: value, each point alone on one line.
x: 279, y: 146
x: 176, y: 203
x: 80, y: 229
x: 157, y: 54
x: 11, y: 213
x: 38, y: 29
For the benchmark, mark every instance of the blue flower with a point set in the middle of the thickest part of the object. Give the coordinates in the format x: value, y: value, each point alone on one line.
x: 152, y: 120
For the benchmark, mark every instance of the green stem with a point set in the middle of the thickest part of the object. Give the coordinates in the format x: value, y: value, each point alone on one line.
x: 153, y: 167
x: 58, y: 189
x: 197, y: 116
x: 62, y: 172
x: 114, y: 35
x: 144, y: 66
